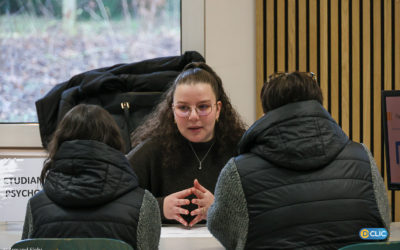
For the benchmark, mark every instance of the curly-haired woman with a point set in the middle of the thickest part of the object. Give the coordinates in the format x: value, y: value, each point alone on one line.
x: 181, y: 148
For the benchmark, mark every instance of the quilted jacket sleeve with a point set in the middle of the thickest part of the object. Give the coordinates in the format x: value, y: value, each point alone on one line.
x: 227, y: 218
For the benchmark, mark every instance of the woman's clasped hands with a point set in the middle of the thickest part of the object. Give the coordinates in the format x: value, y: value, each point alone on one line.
x: 172, y: 204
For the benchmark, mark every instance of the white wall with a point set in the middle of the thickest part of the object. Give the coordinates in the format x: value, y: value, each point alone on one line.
x: 230, y: 50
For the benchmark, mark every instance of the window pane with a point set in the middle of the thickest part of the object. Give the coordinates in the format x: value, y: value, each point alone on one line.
x: 45, y: 42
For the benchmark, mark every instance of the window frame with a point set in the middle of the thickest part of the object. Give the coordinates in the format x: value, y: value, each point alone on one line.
x: 27, y: 135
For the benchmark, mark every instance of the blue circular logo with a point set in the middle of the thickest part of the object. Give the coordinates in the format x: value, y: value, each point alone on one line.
x: 373, y: 233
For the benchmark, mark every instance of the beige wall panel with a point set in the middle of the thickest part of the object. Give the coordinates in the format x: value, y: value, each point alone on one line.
x: 230, y: 50
x: 345, y: 67
x: 366, y: 73
x: 302, y: 36
x: 388, y: 43
x: 313, y: 37
x: 270, y: 37
x: 260, y: 52
x: 324, y: 50
x: 377, y: 83
x: 334, y: 74
x: 281, y: 35
x: 397, y: 206
x: 291, y: 35
x: 355, y: 68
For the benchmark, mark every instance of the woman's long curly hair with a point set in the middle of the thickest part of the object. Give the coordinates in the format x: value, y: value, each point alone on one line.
x: 160, y: 125
x: 83, y: 122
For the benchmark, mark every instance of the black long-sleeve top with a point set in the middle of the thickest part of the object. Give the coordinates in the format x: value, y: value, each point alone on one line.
x: 162, y: 181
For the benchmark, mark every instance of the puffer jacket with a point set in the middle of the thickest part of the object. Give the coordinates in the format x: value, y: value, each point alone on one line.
x: 92, y: 192
x: 108, y: 87
x: 304, y: 183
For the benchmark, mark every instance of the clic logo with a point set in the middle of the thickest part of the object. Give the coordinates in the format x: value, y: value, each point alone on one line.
x: 373, y: 233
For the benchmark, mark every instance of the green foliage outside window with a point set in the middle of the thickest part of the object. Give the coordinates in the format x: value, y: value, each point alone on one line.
x: 40, y: 46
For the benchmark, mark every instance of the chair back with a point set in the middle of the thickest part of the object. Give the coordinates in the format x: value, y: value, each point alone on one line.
x: 388, y: 245
x: 71, y: 244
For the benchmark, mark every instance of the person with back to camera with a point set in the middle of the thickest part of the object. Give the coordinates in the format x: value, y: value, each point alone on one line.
x: 183, y: 145
x: 298, y: 181
x: 89, y: 188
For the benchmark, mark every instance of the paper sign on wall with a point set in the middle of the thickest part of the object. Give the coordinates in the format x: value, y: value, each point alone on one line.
x: 19, y: 180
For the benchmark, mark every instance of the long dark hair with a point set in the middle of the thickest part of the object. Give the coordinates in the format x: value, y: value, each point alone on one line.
x: 160, y: 123
x: 83, y: 122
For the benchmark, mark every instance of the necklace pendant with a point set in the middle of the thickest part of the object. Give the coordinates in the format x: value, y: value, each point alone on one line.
x: 197, y: 157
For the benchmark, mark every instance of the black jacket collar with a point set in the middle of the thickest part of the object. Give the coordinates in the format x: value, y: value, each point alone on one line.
x: 88, y: 173
x: 300, y: 136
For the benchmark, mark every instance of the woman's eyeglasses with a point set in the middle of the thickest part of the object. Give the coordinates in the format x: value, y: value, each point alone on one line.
x: 185, y: 111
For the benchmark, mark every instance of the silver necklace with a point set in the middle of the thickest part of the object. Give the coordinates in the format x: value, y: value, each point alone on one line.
x: 201, y: 161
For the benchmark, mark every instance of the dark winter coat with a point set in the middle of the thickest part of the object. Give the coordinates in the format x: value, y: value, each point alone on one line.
x: 303, y: 182
x: 92, y: 192
x: 105, y: 87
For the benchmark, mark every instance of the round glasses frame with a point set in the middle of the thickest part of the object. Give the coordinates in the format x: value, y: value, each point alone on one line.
x: 187, y: 115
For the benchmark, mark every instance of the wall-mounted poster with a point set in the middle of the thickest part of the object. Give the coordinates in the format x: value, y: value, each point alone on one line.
x: 391, y: 126
x: 19, y: 180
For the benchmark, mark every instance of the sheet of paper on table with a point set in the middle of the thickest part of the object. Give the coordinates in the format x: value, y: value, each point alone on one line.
x: 176, y: 231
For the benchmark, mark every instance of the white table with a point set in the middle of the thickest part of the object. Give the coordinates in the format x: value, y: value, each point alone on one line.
x: 179, y: 237
x: 172, y: 237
